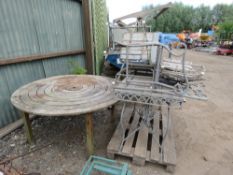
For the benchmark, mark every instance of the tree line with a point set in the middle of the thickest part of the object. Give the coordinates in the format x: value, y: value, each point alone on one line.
x: 185, y: 17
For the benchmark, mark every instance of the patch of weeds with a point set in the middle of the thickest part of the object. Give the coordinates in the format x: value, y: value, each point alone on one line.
x: 76, y: 68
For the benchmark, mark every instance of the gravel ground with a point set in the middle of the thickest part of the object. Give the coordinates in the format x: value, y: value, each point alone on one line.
x: 203, y: 133
x: 67, y: 152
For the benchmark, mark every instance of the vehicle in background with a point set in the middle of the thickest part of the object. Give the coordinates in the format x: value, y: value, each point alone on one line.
x: 225, y: 43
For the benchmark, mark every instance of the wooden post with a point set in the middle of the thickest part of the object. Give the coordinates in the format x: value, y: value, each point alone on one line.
x: 27, y: 127
x: 88, y: 36
x: 89, y: 132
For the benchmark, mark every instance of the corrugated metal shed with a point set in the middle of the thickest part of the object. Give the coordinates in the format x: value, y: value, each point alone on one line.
x: 29, y: 27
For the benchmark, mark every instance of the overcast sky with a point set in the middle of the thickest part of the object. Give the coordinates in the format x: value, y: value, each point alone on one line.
x: 118, y: 8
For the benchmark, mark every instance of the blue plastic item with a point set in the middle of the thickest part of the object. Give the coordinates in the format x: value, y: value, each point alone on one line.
x: 210, y: 32
x: 113, y: 60
x: 107, y: 166
x: 167, y: 38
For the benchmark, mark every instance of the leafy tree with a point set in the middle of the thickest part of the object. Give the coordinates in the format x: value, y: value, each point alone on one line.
x: 184, y: 17
x: 173, y: 20
x: 226, y: 26
x: 202, y: 18
x: 222, y: 12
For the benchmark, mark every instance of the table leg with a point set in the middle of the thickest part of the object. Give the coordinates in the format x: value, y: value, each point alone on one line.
x: 27, y: 127
x: 89, y: 132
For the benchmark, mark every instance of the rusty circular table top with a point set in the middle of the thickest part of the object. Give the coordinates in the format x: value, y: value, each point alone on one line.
x: 64, y: 95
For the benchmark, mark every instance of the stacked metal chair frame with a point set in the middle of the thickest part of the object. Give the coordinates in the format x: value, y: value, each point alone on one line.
x: 150, y: 78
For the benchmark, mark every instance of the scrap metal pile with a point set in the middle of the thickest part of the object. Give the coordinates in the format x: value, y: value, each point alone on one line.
x: 152, y: 74
x: 152, y: 77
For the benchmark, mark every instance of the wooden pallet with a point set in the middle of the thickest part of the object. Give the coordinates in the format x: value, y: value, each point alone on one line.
x: 141, y: 147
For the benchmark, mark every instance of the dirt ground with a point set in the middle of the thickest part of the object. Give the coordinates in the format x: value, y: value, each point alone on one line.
x: 203, y: 133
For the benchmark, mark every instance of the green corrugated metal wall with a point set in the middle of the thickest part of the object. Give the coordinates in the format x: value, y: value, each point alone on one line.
x: 100, y: 32
x: 30, y: 27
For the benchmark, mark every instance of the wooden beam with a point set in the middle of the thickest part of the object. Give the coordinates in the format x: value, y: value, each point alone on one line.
x: 88, y: 35
x: 13, y: 126
x: 40, y: 57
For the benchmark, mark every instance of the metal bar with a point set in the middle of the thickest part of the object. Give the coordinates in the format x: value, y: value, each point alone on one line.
x: 127, y: 64
x: 144, y: 44
x: 90, y: 170
x: 93, y: 158
x: 87, y: 165
x: 149, y: 90
x: 108, y: 170
x: 40, y: 57
x: 27, y: 127
x: 122, y: 126
x: 88, y: 35
x: 144, y: 83
x: 126, y: 27
x: 113, y: 165
x: 89, y: 133
x: 158, y: 64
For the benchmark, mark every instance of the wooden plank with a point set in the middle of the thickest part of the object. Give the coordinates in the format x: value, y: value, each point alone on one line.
x: 139, y: 156
x: 155, y: 155
x: 169, y: 151
x: 89, y: 132
x: 7, y: 61
x: 115, y: 142
x: 128, y: 144
x: 27, y: 127
x: 11, y: 127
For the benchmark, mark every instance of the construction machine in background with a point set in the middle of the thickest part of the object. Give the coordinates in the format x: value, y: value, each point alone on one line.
x: 120, y: 27
x: 196, y: 39
x: 185, y: 37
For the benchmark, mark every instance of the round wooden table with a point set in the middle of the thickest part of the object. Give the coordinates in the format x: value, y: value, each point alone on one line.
x: 68, y: 95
